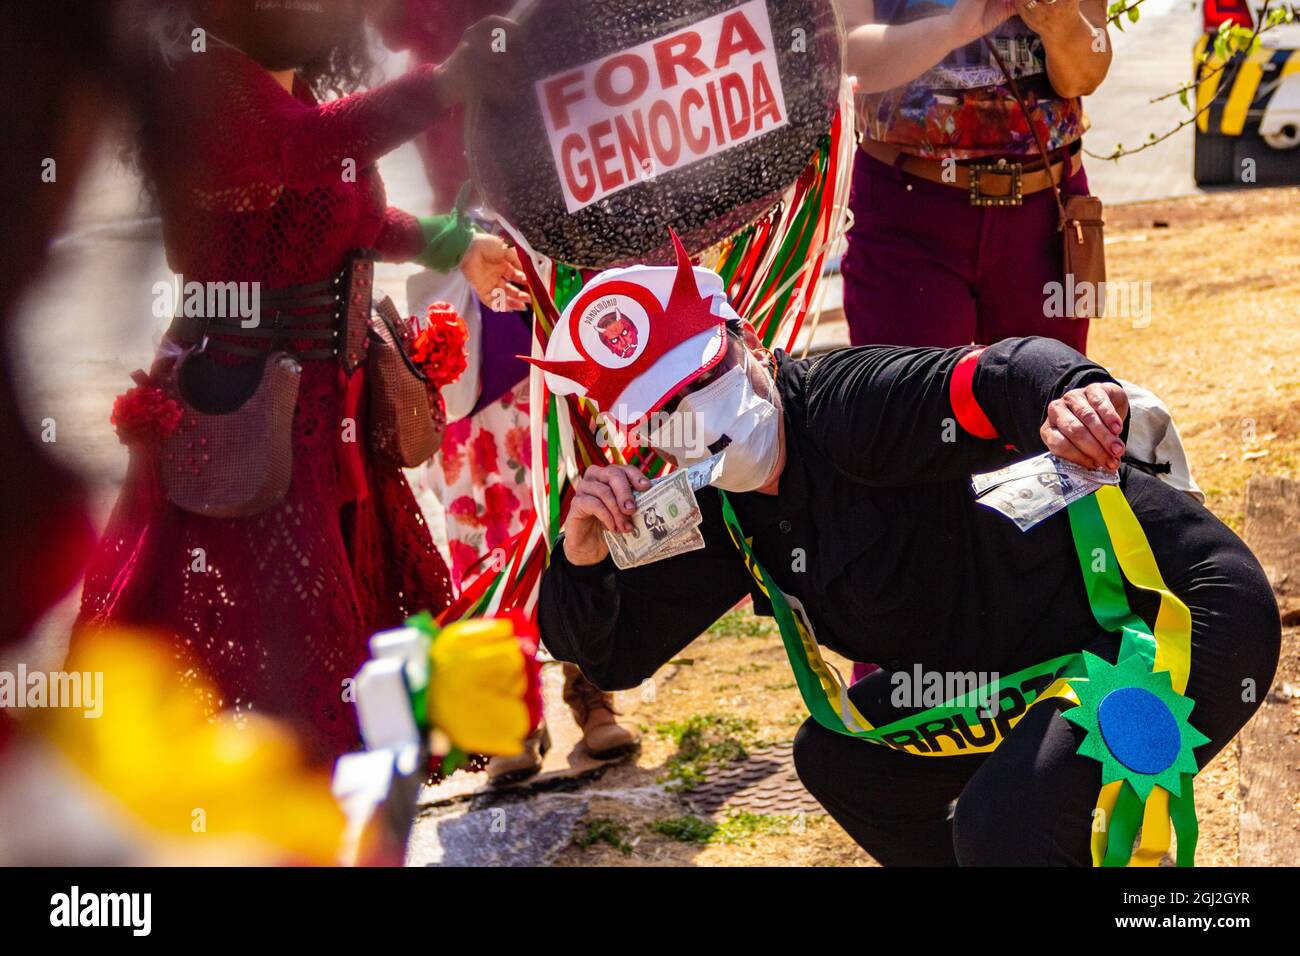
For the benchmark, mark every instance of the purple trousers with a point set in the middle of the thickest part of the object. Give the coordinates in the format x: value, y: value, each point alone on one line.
x: 925, y: 267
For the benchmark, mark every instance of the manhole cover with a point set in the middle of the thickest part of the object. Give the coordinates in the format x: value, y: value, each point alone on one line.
x: 764, y: 782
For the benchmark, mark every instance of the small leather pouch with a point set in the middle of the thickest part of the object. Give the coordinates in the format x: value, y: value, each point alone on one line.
x: 1085, y: 253
x: 402, y: 421
x: 232, y: 454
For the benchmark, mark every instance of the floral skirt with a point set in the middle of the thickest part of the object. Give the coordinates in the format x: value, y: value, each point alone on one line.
x: 481, y: 477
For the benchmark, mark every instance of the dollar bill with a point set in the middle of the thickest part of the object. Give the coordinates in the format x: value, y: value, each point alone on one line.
x: 1031, y: 491
x: 704, y: 473
x: 689, y: 540
x: 664, y: 511
x: 699, y: 475
x: 1044, y: 464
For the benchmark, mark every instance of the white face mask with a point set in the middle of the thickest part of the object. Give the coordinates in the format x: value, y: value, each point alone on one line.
x: 729, y: 409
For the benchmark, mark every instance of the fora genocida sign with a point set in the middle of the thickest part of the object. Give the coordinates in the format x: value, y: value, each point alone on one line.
x: 632, y: 118
x: 664, y: 104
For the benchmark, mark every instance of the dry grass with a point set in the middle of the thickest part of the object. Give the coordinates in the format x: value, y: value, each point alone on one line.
x: 1224, y: 335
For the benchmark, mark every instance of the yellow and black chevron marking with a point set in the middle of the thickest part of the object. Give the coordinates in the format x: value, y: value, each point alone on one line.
x: 1227, y: 113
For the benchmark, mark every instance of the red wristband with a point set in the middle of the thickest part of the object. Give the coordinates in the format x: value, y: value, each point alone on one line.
x: 961, y: 393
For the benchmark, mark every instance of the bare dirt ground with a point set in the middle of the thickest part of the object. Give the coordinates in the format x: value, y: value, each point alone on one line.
x: 1218, y: 344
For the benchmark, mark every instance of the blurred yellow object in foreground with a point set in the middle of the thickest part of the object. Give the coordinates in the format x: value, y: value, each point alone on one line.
x: 179, y: 772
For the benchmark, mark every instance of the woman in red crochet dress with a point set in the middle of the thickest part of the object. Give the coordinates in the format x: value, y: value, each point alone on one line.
x: 259, y: 182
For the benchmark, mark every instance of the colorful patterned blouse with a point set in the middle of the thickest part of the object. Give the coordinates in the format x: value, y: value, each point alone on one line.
x: 962, y: 107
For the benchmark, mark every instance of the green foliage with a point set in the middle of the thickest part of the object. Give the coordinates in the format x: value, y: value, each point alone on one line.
x: 753, y: 667
x: 1228, y: 48
x: 1123, y: 10
x: 689, y: 829
x: 604, y: 830
x: 704, y: 741
x: 737, y: 828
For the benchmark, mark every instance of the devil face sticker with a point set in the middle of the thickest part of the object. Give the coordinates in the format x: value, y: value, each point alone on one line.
x: 614, y: 329
x: 618, y: 334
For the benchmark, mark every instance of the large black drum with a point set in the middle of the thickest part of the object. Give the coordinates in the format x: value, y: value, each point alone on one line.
x: 634, y: 116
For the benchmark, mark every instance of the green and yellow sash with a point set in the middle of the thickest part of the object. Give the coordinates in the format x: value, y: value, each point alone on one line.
x: 1110, y: 542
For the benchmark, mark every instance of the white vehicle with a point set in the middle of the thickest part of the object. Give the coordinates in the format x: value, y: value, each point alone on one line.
x: 1251, y: 100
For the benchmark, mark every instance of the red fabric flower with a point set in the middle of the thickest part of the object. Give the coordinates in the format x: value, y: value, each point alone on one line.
x: 439, y: 348
x: 145, y: 413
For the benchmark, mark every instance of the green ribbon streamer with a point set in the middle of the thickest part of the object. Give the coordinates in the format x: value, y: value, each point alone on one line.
x: 793, y: 253
x: 481, y: 605
x: 553, y: 467
x: 1122, y: 828
x: 740, y: 244
x: 1105, y: 584
x: 568, y: 283
x: 1182, y: 812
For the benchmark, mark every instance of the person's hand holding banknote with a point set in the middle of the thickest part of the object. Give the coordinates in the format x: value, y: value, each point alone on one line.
x: 602, y: 501
x: 616, y: 510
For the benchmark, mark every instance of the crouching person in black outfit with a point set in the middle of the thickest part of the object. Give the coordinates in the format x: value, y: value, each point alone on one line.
x: 860, y: 461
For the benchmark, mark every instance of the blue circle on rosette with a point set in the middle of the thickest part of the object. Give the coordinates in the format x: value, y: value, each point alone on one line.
x: 1139, y: 730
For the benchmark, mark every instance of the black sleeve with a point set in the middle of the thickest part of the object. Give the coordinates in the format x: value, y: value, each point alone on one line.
x: 885, y: 415
x: 1016, y: 379
x: 622, y: 626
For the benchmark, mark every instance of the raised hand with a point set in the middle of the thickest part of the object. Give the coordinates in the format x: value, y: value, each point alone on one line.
x: 493, y: 271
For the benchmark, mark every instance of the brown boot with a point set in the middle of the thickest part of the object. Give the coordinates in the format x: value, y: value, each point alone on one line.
x: 593, y: 709
x: 528, y: 762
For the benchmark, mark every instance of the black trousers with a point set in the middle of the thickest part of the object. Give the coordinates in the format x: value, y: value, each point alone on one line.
x: 1030, y: 802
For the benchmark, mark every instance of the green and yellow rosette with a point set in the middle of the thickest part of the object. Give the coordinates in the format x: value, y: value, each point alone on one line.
x: 1137, y: 727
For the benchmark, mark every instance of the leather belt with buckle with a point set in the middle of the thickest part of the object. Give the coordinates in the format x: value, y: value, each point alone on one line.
x: 999, y: 183
x: 1012, y: 172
